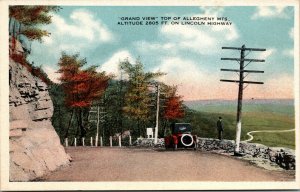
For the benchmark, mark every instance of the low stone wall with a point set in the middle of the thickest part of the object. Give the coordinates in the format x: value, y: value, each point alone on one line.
x: 147, y: 142
x: 261, y: 155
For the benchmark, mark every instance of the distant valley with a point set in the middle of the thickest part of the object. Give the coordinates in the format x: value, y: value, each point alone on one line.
x: 277, y: 106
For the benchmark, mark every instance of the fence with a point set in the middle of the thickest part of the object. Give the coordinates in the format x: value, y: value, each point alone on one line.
x: 94, y: 142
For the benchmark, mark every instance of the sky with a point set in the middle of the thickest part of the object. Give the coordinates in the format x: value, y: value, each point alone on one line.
x: 189, y: 54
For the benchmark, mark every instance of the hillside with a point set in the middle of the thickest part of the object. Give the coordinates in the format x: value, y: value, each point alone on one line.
x: 276, y: 106
x: 257, y: 115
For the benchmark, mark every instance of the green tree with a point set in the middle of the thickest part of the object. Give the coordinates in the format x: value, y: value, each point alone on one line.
x: 137, y: 98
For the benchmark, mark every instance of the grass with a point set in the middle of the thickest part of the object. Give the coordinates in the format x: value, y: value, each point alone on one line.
x: 273, y: 117
x: 286, y: 139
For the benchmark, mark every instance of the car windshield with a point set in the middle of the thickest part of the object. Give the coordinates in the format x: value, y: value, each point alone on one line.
x: 181, y: 128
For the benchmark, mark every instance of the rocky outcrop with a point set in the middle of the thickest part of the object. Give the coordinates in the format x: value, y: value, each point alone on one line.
x: 34, y: 146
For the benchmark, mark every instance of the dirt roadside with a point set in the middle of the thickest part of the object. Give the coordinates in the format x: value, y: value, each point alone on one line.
x: 133, y: 164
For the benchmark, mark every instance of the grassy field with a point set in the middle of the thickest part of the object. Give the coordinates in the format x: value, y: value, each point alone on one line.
x: 255, y: 117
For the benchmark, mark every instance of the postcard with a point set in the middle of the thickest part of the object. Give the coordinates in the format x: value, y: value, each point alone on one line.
x: 149, y: 95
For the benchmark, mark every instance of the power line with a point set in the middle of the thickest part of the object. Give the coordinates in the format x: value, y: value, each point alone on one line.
x: 241, y: 83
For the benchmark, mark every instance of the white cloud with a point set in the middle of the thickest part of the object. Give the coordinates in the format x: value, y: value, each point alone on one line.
x: 81, y: 33
x: 188, y: 37
x: 82, y: 25
x: 194, y: 82
x: 288, y: 52
x: 198, y: 39
x: 266, y: 54
x: 52, y: 74
x: 148, y: 47
x: 270, y: 12
x: 111, y: 66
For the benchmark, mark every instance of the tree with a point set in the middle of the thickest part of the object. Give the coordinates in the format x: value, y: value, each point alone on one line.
x: 29, y: 19
x: 137, y: 98
x: 81, y: 87
x: 173, y: 106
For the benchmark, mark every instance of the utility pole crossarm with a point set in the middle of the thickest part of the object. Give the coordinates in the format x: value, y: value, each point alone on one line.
x: 241, y: 71
x: 247, y: 71
x: 246, y: 49
x: 237, y: 81
x: 239, y: 59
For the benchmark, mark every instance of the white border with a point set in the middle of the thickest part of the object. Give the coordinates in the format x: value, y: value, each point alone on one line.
x: 4, y: 108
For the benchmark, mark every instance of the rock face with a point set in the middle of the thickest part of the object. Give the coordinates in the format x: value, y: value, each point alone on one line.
x: 34, y: 146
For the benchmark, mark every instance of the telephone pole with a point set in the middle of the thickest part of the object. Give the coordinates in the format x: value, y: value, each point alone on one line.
x: 241, y: 71
x: 157, y: 113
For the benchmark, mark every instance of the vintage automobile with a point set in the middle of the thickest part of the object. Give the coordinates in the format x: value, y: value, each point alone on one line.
x: 181, y: 137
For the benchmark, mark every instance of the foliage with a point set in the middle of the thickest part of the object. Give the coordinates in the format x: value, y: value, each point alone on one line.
x: 35, y: 71
x: 31, y: 17
x: 173, y: 105
x: 81, y: 87
x: 137, y: 98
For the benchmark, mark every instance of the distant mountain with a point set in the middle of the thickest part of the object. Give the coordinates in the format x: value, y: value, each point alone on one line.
x: 246, y: 101
x: 279, y: 106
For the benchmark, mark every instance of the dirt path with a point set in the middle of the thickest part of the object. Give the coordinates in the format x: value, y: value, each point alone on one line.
x: 132, y: 164
x: 266, y: 131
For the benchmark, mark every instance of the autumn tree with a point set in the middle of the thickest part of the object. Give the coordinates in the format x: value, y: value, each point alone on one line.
x: 137, y: 97
x: 173, y: 106
x: 28, y: 19
x: 81, y: 87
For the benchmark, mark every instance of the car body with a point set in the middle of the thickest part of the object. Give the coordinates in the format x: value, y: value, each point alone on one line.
x: 181, y: 137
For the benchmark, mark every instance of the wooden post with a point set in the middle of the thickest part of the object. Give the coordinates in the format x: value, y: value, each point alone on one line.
x: 96, y: 141
x: 98, y: 121
x: 130, y: 141
x: 241, y: 82
x: 101, y: 142
x: 91, y: 141
x: 110, y: 141
x: 83, y: 141
x: 75, y: 142
x: 120, y: 144
x: 66, y: 142
x: 157, y: 115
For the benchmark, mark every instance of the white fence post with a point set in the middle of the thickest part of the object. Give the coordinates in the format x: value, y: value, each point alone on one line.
x: 96, y: 141
x: 120, y: 144
x: 101, y: 142
x: 91, y: 141
x: 110, y: 141
x: 66, y: 142
x: 75, y: 142
x: 130, y: 141
x: 83, y: 141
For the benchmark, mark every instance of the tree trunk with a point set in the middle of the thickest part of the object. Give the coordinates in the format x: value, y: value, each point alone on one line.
x: 138, y: 126
x: 70, y: 122
x: 80, y: 124
x: 164, y: 127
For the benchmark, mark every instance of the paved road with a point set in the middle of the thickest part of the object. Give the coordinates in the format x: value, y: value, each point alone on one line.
x: 266, y: 131
x: 132, y: 164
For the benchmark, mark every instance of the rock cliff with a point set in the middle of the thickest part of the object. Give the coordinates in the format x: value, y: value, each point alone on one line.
x: 34, y: 145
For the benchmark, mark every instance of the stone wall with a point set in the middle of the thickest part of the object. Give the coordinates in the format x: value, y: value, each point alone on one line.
x: 34, y: 146
x: 261, y: 155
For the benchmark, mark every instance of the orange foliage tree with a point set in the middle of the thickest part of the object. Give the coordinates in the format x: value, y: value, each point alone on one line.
x: 173, y: 106
x: 81, y: 87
